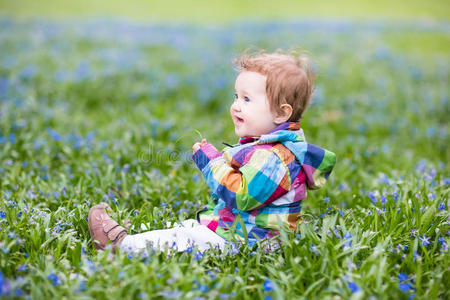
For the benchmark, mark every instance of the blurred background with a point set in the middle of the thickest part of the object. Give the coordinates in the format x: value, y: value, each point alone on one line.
x: 217, y: 11
x: 96, y: 74
x: 93, y: 75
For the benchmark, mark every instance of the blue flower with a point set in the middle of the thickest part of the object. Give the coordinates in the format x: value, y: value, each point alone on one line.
x: 28, y: 72
x: 82, y: 71
x: 343, y: 187
x: 12, y: 138
x: 4, y: 86
x: 348, y: 235
x: 348, y: 243
x: 353, y: 287
x: 57, y: 229
x: 404, y: 287
x: 198, y: 256
x: 425, y: 240
x: 394, y: 195
x: 268, y: 286
x: 2, y: 215
x: 22, y: 268
x: 336, y: 232
x: 384, y: 179
x: 18, y: 292
x: 5, y: 287
x: 202, y: 288
x: 54, y: 135
x: 54, y: 279
x: 171, y: 295
x: 383, y: 199
x: 372, y: 197
x: 413, y: 232
x: 441, y: 206
x: 402, y: 277
x: 421, y: 166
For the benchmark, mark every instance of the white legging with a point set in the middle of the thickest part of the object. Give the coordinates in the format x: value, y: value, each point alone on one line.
x: 182, y: 236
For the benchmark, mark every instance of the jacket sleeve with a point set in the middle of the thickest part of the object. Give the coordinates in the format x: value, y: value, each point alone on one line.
x: 318, y: 165
x: 261, y: 180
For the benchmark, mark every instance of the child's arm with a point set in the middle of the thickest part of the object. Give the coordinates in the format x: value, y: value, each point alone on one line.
x: 263, y: 179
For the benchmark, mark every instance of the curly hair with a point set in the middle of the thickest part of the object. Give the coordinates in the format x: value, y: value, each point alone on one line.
x: 290, y: 78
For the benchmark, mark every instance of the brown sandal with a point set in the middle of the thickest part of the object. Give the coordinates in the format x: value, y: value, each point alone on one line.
x: 103, y: 229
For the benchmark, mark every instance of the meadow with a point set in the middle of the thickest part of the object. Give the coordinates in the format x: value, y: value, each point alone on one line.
x: 108, y: 111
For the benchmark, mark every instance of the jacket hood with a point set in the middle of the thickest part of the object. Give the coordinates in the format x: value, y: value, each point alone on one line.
x: 316, y: 162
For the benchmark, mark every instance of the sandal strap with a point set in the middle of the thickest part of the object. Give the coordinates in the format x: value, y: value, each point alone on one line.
x: 109, y: 225
x: 115, y: 232
x: 107, y: 231
x: 121, y: 234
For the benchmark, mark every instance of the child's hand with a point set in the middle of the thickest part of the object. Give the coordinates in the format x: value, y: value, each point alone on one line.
x: 197, y: 146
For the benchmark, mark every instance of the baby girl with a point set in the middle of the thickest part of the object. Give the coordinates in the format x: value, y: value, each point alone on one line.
x: 258, y: 185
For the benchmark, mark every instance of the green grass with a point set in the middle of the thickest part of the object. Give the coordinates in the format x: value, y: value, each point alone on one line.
x: 225, y: 11
x: 82, y: 104
x: 420, y: 44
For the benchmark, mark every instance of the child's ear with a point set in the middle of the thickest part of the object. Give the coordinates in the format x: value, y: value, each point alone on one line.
x: 283, y: 114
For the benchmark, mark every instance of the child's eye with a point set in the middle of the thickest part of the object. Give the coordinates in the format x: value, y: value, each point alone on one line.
x: 247, y: 99
x: 235, y: 96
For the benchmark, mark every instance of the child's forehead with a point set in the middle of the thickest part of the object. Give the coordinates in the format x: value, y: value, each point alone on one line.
x: 250, y: 80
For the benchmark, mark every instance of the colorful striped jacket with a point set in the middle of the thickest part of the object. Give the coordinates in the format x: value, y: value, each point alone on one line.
x: 262, y: 180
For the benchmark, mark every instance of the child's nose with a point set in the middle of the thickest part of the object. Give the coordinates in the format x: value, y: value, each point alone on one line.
x: 235, y: 106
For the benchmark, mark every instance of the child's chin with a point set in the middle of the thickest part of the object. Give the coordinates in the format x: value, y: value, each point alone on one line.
x: 240, y: 134
x: 237, y: 132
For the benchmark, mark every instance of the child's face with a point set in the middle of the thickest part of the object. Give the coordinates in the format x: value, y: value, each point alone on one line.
x: 250, y: 110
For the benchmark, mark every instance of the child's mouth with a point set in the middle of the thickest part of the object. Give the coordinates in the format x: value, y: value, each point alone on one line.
x: 238, y: 120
